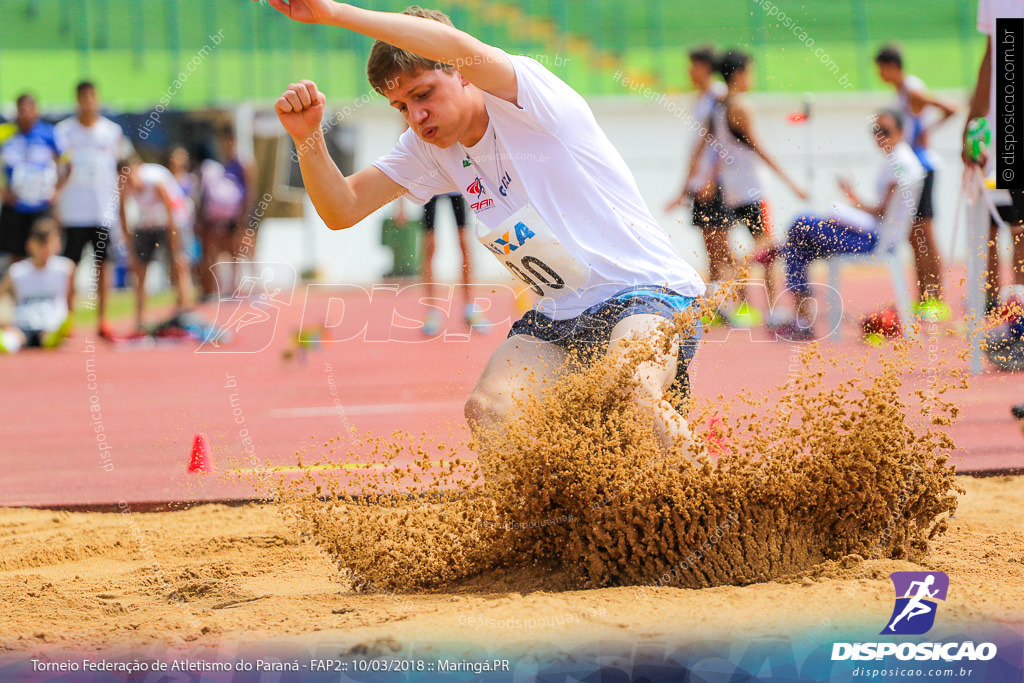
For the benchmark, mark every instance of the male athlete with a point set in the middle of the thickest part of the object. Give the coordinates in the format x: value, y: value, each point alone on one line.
x: 555, y: 200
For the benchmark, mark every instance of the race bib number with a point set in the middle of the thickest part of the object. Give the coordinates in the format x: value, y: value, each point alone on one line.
x: 526, y: 246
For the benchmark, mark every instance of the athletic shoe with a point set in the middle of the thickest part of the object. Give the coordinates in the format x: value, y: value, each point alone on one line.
x: 745, y: 316
x: 795, y: 332
x: 716, y: 319
x: 1018, y: 411
x: 476, y: 320
x: 106, y: 332
x: 432, y: 325
x: 55, y: 338
x: 933, y: 311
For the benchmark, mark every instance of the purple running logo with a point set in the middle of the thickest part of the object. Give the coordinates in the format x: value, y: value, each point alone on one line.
x: 917, y: 596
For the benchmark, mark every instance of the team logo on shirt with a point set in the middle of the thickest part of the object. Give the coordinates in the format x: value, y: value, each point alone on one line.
x: 475, y: 187
x: 482, y: 205
x: 506, y: 244
x: 503, y: 184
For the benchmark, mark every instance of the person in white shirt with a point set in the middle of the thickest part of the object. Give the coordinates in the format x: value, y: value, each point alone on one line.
x: 159, y: 208
x: 88, y: 205
x: 42, y: 286
x: 704, y: 189
x: 913, y: 99
x: 1010, y: 203
x: 855, y: 229
x: 734, y: 133
x: 554, y: 200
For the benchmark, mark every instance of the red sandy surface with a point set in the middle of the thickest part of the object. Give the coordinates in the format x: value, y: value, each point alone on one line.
x: 152, y: 401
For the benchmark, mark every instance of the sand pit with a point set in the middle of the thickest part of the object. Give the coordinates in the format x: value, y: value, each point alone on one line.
x: 215, y: 576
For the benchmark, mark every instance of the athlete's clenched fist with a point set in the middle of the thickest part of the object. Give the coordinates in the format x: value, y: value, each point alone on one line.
x: 301, y: 109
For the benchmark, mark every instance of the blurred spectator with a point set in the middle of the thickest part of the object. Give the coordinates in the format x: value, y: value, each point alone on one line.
x: 473, y: 317
x: 179, y: 163
x: 29, y: 159
x: 225, y: 202
x: 741, y: 153
x: 704, y: 189
x: 1009, y: 203
x: 42, y: 287
x: 88, y: 205
x: 159, y: 202
x: 913, y: 100
x: 855, y: 229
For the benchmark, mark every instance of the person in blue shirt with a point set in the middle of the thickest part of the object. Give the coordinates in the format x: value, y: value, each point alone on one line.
x: 29, y: 162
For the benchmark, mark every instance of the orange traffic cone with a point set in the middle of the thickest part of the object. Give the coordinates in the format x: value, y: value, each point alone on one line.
x: 200, y: 461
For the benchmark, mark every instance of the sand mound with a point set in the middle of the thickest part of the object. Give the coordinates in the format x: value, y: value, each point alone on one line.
x: 576, y: 483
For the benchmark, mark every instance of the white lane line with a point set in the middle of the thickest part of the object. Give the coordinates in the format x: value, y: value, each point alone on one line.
x: 370, y: 409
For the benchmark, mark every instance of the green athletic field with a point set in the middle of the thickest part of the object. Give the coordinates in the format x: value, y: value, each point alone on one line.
x: 135, y: 49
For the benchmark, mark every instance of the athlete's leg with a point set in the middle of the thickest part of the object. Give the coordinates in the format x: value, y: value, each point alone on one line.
x: 522, y: 366
x: 1017, y: 237
x: 992, y: 272
x: 102, y: 290
x: 428, y: 262
x: 653, y: 377
x: 139, y: 269
x: 716, y: 242
x: 926, y: 260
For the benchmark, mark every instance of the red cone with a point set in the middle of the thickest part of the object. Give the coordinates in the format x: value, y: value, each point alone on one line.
x: 200, y: 459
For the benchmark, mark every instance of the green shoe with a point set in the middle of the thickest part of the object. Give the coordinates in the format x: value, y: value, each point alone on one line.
x: 933, y: 311
x: 55, y: 338
x: 745, y: 316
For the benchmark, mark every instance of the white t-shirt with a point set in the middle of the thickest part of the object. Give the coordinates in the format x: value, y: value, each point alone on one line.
x: 549, y: 153
x: 90, y: 196
x: 742, y: 184
x: 903, y: 168
x: 152, y: 213
x: 702, y: 112
x: 41, y: 294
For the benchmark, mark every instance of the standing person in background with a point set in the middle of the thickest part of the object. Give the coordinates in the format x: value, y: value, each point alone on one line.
x: 159, y: 203
x: 704, y: 190
x: 983, y: 104
x: 474, y: 319
x: 225, y: 201
x: 88, y: 203
x: 29, y: 162
x: 733, y: 128
x: 179, y: 163
x: 913, y: 99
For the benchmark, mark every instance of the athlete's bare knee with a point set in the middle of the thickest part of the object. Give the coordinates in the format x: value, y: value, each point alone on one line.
x: 484, y: 408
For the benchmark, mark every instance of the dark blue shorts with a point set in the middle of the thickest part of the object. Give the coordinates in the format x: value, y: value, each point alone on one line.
x: 588, y: 333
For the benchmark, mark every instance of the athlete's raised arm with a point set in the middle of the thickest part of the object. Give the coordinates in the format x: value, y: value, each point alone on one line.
x: 341, y: 202
x: 483, y: 65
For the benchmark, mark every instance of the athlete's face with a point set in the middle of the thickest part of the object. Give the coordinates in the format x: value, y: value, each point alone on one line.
x: 178, y: 160
x: 744, y: 79
x: 434, y: 104
x: 889, y: 73
x: 40, y: 251
x: 886, y: 133
x: 88, y: 103
x: 28, y: 114
x: 700, y: 73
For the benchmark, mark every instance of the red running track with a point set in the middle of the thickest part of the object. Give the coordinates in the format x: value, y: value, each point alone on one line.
x: 149, y: 402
